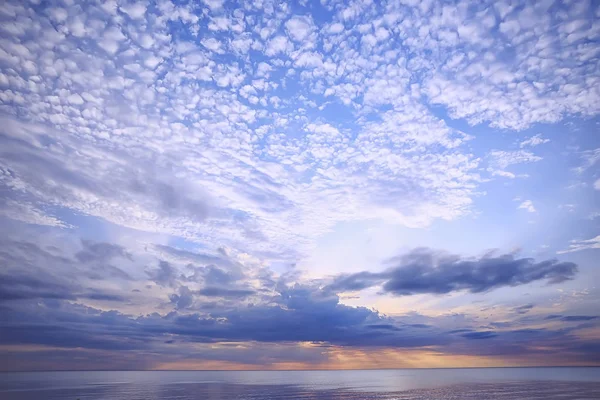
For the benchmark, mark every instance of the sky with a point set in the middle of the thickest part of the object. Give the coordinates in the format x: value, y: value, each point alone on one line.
x: 298, y: 185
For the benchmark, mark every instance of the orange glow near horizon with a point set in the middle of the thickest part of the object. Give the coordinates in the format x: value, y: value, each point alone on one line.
x: 339, y: 358
x: 334, y: 358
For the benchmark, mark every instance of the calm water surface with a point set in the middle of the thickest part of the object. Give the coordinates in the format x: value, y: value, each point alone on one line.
x: 400, y: 384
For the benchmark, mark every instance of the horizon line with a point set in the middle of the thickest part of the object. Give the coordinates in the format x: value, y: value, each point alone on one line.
x: 291, y: 370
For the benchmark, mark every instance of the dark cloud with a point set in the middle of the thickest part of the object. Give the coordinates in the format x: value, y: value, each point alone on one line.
x: 524, y: 309
x: 215, y: 291
x: 22, y: 286
x: 164, y: 275
x: 480, y: 335
x: 95, y: 294
x: 29, y: 271
x: 571, y: 318
x: 388, y: 327
x: 184, y: 299
x: 19, y: 286
x: 98, y: 255
x: 212, y: 275
x: 100, y: 252
x: 44, y: 295
x: 458, y: 331
x: 300, y: 313
x: 427, y: 271
x: 216, y: 276
x: 169, y: 198
x: 221, y: 260
x: 577, y: 318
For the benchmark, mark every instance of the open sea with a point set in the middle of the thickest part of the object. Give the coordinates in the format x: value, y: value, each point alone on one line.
x: 400, y: 384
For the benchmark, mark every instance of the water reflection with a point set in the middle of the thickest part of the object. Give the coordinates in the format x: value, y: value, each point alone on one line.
x: 577, y: 383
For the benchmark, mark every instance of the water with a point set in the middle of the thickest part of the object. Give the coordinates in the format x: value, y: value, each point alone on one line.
x: 400, y: 384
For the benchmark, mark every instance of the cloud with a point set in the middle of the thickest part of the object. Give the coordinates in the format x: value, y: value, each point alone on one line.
x: 32, y: 272
x: 533, y: 141
x: 426, y: 271
x: 589, y: 158
x: 102, y: 252
x: 183, y: 299
x: 130, y: 109
x: 527, y: 205
x: 164, y: 275
x: 524, y: 309
x: 49, y: 302
x: 572, y: 318
x: 504, y: 174
x: 584, y: 244
x: 479, y: 335
x: 277, y: 45
x: 299, y: 28
x: 503, y: 159
x: 213, y: 291
x: 134, y: 10
x: 246, y: 133
x: 308, y: 316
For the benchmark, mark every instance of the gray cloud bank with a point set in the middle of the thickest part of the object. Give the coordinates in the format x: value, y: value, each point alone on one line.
x: 427, y: 271
x: 52, y: 297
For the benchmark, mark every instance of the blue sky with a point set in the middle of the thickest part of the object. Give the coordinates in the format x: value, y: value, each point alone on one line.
x: 314, y: 184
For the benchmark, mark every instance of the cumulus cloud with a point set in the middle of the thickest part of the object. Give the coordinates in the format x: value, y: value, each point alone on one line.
x: 299, y: 28
x: 277, y: 45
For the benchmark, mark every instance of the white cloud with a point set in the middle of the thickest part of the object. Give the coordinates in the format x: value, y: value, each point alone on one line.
x: 219, y: 24
x: 533, y: 141
x: 111, y: 39
x: 299, y: 28
x: 527, y: 205
x: 335, y: 28
x: 75, y: 99
x: 214, y: 4
x: 504, y: 174
x: 110, y: 46
x: 135, y: 10
x: 277, y: 45
x: 26, y: 212
x: 597, y: 184
x: 589, y: 159
x: 146, y: 41
x: 309, y: 59
x: 58, y: 14
x: 503, y: 159
x: 152, y: 61
x: 579, y: 245
x: 212, y: 112
x: 212, y: 44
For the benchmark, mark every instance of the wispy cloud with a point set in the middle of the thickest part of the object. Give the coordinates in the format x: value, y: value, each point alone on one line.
x: 533, y: 141
x: 583, y: 244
